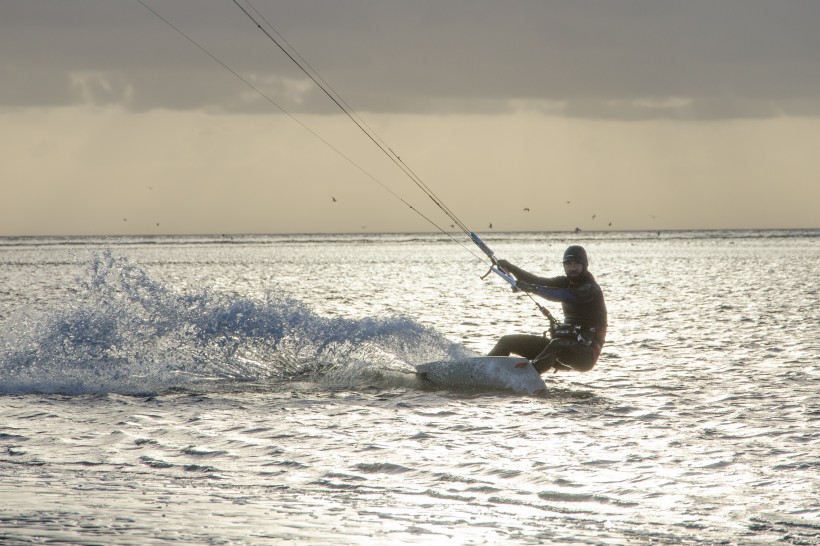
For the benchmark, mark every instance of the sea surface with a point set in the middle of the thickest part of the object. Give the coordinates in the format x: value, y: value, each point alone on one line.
x: 261, y: 390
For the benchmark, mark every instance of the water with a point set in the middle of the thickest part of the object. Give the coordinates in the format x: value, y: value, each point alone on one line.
x: 255, y: 390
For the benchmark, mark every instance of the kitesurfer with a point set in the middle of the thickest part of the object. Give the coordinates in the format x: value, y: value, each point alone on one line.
x: 574, y: 344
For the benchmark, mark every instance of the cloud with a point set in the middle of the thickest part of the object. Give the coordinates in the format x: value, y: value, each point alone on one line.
x: 619, y: 59
x: 99, y: 88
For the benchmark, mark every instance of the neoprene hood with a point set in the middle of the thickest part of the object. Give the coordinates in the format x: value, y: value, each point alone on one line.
x: 576, y: 253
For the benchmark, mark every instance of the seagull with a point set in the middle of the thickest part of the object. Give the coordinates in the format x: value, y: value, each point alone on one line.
x: 526, y: 209
x: 333, y: 198
x: 491, y: 225
x: 593, y: 216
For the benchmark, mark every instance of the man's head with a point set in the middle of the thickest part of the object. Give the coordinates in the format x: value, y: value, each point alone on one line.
x: 575, y: 261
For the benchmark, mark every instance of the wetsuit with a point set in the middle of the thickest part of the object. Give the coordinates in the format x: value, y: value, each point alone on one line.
x: 583, y: 304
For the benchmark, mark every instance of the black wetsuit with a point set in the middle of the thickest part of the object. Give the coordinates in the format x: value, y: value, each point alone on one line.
x: 583, y: 304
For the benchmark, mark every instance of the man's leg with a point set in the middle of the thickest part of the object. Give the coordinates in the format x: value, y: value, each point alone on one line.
x: 528, y: 346
x: 563, y: 354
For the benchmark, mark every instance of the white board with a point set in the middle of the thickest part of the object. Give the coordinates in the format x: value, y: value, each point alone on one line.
x: 502, y: 372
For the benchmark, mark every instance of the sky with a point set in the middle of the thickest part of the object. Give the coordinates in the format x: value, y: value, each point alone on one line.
x: 518, y: 116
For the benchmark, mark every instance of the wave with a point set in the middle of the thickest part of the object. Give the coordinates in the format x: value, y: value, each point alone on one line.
x: 129, y: 333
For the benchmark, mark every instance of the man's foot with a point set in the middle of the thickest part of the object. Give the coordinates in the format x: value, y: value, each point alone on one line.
x: 541, y: 365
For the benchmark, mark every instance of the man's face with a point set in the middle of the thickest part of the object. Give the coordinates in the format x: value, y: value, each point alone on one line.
x: 573, y: 269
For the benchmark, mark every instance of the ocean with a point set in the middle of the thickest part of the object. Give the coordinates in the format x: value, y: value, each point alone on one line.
x: 261, y: 390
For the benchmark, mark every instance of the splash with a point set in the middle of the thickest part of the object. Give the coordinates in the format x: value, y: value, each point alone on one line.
x: 130, y: 333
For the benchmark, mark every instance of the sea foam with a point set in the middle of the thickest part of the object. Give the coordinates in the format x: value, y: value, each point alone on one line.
x: 130, y: 333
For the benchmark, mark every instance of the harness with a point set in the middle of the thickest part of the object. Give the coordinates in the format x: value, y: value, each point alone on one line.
x: 565, y: 330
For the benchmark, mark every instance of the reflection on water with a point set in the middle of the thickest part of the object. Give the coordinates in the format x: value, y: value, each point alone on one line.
x: 273, y: 405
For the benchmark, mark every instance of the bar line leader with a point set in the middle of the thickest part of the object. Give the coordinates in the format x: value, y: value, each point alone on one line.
x: 495, y: 268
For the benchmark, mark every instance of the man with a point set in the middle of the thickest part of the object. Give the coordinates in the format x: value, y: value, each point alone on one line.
x: 575, y: 344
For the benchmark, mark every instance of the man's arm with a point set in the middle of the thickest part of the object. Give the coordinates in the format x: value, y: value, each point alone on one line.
x: 528, y: 278
x: 564, y: 294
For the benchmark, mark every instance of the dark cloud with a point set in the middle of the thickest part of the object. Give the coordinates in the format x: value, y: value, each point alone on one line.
x: 609, y: 58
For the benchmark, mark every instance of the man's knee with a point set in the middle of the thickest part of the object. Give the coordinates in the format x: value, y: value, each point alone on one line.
x: 502, y: 348
x: 568, y: 355
x: 582, y: 365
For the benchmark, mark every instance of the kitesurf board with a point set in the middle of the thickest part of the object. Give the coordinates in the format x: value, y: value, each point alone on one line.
x: 501, y: 372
